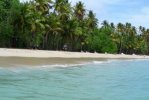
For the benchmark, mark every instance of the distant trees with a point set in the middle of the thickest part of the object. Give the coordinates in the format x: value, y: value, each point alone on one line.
x: 50, y: 24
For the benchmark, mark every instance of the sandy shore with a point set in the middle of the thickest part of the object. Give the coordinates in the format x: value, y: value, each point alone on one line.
x: 4, y: 52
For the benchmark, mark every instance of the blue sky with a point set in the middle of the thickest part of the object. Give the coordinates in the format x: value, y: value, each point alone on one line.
x: 133, y: 11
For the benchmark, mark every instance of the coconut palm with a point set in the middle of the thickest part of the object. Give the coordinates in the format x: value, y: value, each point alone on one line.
x: 91, y: 20
x: 105, y: 24
x: 79, y: 10
x: 35, y: 22
x: 120, y: 30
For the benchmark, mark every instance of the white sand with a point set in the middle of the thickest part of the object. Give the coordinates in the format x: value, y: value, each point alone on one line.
x: 4, y: 52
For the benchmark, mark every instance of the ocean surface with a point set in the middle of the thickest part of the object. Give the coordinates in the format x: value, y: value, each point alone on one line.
x: 95, y: 80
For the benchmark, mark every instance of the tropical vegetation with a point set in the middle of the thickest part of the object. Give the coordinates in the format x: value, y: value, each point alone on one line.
x: 51, y: 24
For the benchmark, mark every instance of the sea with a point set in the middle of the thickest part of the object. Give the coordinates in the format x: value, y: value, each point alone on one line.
x: 111, y: 79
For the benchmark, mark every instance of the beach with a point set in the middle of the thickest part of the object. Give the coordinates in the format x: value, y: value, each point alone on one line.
x: 58, y: 75
x: 5, y: 52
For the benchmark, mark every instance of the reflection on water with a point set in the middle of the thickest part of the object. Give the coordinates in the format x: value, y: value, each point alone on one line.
x: 110, y: 80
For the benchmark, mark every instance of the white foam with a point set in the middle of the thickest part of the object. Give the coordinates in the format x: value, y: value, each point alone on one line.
x: 108, y: 61
x: 61, y: 65
x: 98, y: 62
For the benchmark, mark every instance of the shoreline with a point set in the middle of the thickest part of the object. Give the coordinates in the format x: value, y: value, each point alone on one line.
x: 5, y: 52
x: 34, y: 62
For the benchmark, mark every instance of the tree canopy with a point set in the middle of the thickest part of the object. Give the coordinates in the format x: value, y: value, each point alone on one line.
x: 51, y: 24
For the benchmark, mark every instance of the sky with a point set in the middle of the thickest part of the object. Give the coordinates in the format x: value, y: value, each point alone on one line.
x: 133, y: 11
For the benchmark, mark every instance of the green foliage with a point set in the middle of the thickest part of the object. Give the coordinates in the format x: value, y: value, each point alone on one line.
x: 102, y: 43
x: 49, y: 24
x: 9, y: 11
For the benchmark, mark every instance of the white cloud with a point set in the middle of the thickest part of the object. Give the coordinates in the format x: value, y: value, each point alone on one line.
x: 139, y: 18
x: 124, y: 11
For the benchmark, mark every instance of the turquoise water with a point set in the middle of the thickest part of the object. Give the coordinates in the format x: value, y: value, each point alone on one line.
x: 109, y: 80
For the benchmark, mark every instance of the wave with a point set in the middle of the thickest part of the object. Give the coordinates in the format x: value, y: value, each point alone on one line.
x: 82, y: 64
x: 97, y: 62
x: 62, y: 65
x: 117, y: 60
x: 22, y: 67
x: 106, y: 61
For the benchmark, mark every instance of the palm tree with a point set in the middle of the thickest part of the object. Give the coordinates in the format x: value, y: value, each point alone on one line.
x: 52, y: 32
x: 132, y: 39
x: 114, y: 35
x: 120, y: 30
x: 105, y: 24
x: 79, y: 11
x: 61, y: 6
x: 62, y: 12
x: 43, y: 6
x: 112, y: 25
x: 35, y: 21
x: 91, y: 20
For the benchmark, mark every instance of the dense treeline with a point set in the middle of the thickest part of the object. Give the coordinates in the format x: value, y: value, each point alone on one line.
x: 51, y: 24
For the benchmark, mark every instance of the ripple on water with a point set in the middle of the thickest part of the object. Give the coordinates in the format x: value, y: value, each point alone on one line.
x: 109, y: 80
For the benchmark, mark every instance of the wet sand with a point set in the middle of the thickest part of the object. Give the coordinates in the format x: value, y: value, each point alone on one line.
x: 28, y: 61
x: 16, y: 57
